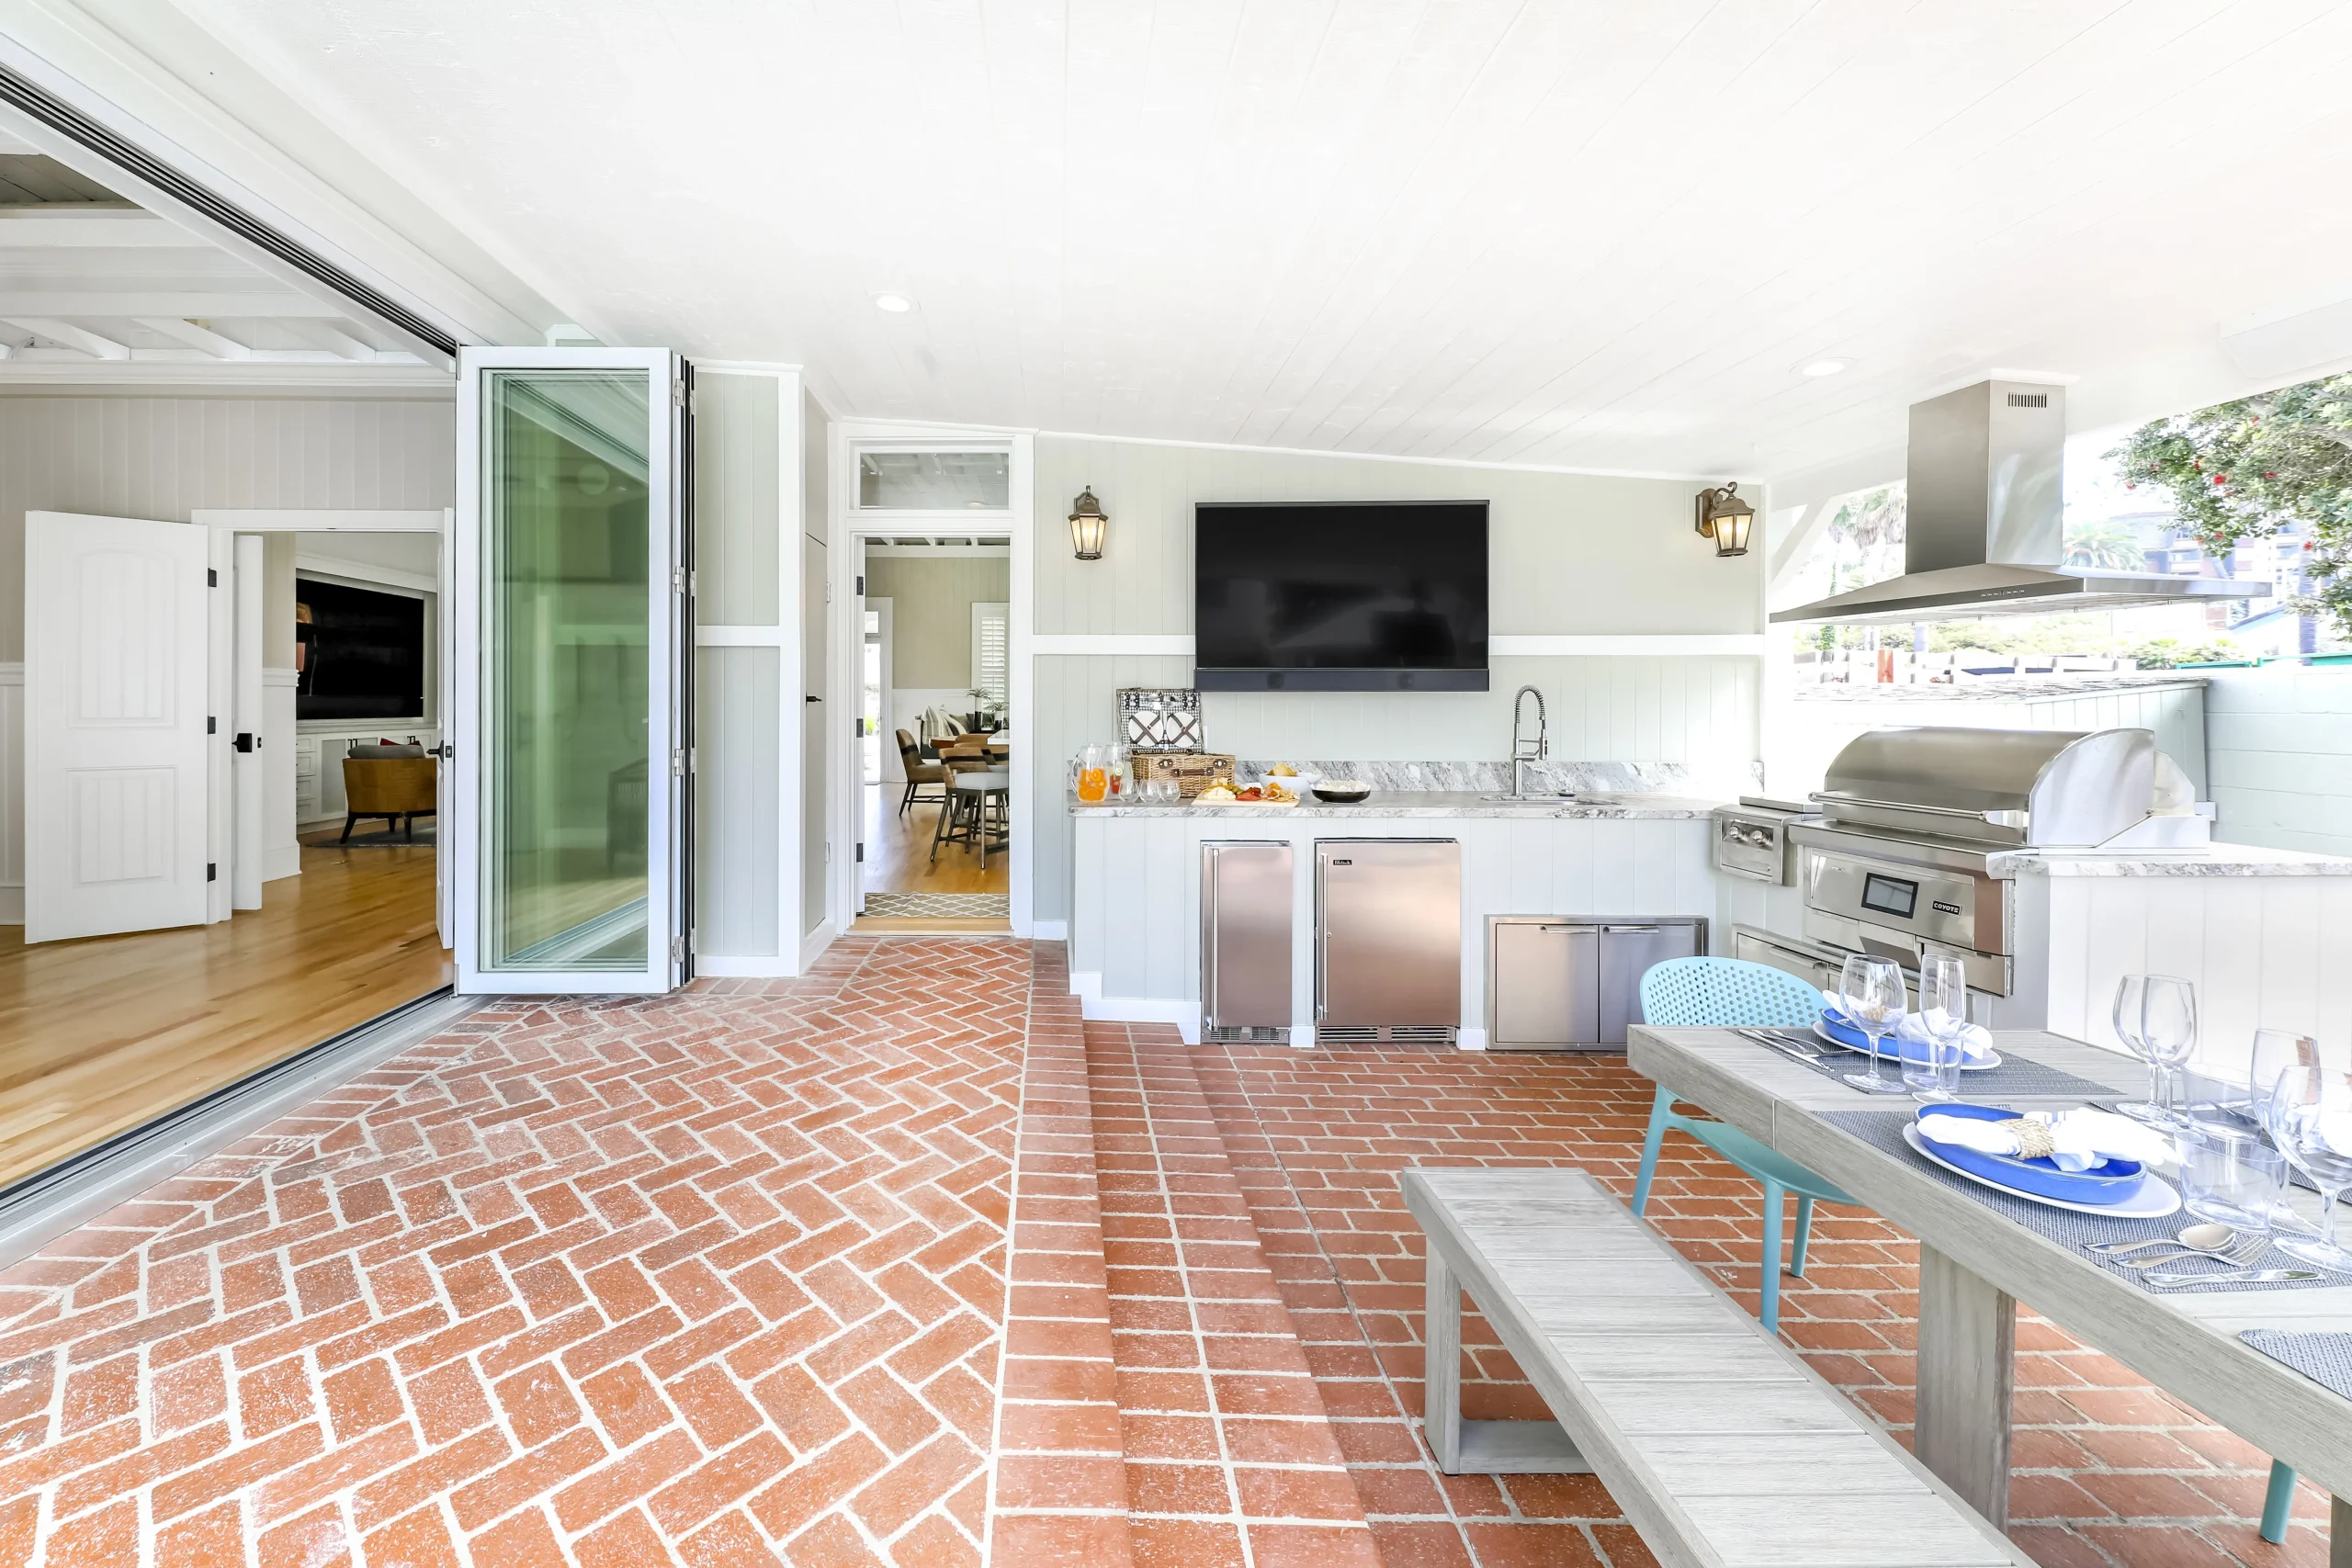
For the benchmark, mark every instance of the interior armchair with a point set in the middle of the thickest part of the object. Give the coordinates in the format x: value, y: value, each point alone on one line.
x: 919, y: 772
x: 395, y: 782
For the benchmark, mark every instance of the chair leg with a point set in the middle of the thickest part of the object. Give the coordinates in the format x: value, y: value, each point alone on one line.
x: 938, y: 826
x: 1775, y: 1201
x: 907, y: 798
x: 1659, y: 1106
x: 2278, y: 1502
x: 348, y: 818
x: 1805, y: 1235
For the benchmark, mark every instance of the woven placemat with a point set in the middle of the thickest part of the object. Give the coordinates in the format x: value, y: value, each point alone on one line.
x: 2017, y: 1077
x: 1884, y: 1129
x: 2326, y: 1359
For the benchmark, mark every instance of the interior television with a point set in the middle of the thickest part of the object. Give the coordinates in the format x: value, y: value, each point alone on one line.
x: 1339, y: 597
x: 362, y: 651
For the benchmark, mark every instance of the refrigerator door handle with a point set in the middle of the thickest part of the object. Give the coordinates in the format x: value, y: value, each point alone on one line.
x: 1208, y: 948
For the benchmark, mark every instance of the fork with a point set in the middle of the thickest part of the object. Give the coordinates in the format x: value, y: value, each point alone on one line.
x: 1778, y: 1043
x: 2243, y: 1250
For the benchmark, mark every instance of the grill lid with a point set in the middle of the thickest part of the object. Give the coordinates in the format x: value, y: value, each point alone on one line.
x: 2040, y: 787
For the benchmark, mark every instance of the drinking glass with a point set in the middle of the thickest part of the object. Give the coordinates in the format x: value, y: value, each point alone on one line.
x: 2229, y: 1174
x: 2310, y: 1118
x: 1934, y: 1072
x: 1870, y: 993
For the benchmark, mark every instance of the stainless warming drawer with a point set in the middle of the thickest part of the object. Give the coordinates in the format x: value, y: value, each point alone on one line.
x: 1561, y: 984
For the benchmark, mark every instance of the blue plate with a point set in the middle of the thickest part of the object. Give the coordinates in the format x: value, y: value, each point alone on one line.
x: 2113, y: 1181
x: 1834, y: 1024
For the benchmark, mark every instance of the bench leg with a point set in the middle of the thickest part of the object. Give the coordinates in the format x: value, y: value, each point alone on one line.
x: 1966, y: 1372
x: 1659, y: 1107
x: 1776, y: 1202
x: 1442, y: 1365
x: 2278, y: 1502
x: 1805, y: 1235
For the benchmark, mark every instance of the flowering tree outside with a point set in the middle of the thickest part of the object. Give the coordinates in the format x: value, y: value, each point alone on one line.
x: 2240, y: 470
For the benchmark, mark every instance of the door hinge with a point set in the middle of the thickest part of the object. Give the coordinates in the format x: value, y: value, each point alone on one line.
x: 212, y: 726
x: 677, y: 580
x: 678, y: 761
x: 861, y: 854
x: 860, y: 585
x: 858, y: 726
x: 212, y: 577
x: 678, y: 394
x: 211, y: 871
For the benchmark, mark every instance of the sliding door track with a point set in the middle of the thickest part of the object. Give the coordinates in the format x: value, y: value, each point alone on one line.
x: 43, y: 1206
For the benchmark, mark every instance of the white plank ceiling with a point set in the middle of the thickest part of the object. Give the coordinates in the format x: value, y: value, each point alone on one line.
x: 1589, y: 232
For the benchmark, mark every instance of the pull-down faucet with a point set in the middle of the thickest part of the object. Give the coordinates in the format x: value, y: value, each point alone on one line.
x: 1520, y: 755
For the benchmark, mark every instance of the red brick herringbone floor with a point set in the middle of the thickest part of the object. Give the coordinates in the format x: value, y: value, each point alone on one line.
x: 710, y: 1278
x: 902, y: 1263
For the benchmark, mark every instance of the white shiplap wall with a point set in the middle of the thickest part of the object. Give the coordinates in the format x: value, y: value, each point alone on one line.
x: 2280, y: 743
x: 1573, y: 554
x: 164, y: 457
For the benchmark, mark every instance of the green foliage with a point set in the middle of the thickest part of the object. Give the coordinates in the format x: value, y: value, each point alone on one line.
x: 2170, y: 653
x: 2106, y: 543
x: 2238, y: 470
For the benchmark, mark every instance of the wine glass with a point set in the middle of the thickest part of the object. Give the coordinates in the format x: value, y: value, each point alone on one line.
x: 2310, y: 1118
x: 1870, y: 993
x: 1934, y: 1073
x: 2275, y: 1051
x: 2168, y: 1034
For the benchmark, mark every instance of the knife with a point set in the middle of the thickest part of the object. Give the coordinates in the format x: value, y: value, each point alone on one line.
x: 1786, y: 1047
x: 2240, y: 1277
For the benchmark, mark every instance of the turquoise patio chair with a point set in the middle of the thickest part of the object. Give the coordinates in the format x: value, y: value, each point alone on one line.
x: 1688, y: 993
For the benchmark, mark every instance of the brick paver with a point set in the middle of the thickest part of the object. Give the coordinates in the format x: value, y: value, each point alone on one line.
x: 716, y: 1278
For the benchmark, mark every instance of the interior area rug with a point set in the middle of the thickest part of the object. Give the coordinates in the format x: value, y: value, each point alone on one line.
x: 940, y: 906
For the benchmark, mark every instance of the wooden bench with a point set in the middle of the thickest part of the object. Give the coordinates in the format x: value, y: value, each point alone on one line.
x: 1719, y: 1444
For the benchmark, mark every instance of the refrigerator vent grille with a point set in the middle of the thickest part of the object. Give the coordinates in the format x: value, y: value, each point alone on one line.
x: 1244, y: 1034
x: 1384, y: 1034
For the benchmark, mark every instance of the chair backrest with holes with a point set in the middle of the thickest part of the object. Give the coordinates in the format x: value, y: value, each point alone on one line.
x: 1689, y: 993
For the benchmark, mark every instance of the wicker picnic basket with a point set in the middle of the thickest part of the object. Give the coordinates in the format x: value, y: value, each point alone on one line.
x: 1192, y: 771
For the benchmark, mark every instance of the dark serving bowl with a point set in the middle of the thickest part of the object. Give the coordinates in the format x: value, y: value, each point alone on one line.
x: 1337, y: 796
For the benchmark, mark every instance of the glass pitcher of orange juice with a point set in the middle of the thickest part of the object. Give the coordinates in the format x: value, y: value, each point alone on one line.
x: 1093, y: 775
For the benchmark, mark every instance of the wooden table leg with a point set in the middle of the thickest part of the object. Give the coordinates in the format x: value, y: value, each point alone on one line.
x: 2339, y: 1532
x: 1442, y: 1366
x: 1968, y: 1334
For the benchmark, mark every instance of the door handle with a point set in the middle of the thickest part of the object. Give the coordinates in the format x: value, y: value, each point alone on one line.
x: 1633, y: 930
x: 244, y: 741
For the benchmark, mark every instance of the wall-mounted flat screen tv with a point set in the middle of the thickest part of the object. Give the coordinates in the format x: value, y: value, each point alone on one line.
x: 361, y: 651
x: 1339, y: 597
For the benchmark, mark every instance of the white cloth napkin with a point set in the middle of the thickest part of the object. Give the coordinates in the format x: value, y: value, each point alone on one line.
x: 1975, y: 1041
x: 2085, y: 1138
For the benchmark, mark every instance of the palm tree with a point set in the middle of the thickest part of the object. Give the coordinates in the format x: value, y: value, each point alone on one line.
x: 2106, y: 543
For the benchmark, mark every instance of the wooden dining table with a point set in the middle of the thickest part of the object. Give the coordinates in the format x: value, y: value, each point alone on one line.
x: 1976, y: 1264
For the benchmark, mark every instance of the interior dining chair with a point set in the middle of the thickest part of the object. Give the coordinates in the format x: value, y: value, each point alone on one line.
x: 1693, y: 993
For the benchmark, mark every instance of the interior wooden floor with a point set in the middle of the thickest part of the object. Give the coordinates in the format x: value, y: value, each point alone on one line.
x: 99, y: 1035
x: 897, y: 860
x: 898, y: 851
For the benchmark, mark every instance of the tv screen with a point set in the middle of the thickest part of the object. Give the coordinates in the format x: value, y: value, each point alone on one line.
x: 1339, y: 597
x: 361, y: 651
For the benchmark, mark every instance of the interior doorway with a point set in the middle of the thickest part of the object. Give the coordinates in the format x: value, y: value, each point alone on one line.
x: 936, y: 731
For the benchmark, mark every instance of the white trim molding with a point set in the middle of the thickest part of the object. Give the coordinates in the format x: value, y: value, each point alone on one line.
x: 319, y: 520
x: 1604, y: 646
x: 12, y: 794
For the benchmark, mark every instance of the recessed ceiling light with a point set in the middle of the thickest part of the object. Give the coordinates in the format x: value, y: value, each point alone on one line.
x: 895, y: 304
x: 1822, y: 368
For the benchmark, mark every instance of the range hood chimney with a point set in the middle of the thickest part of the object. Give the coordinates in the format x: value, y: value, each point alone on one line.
x: 1983, y: 530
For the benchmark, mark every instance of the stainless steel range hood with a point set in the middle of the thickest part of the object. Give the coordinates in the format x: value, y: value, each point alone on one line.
x: 1984, y: 527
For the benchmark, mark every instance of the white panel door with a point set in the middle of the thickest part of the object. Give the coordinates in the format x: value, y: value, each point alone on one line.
x: 116, y: 749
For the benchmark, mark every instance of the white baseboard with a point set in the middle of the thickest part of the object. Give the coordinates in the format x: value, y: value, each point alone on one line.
x: 1049, y: 931
x: 813, y: 945
x: 720, y: 967
x: 1086, y: 985
x: 12, y: 904
x: 1470, y: 1039
x: 285, y: 859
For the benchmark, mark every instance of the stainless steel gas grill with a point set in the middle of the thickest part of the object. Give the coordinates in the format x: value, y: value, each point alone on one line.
x: 1896, y: 864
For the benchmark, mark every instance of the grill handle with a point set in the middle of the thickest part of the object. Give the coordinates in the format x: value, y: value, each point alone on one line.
x: 2003, y: 819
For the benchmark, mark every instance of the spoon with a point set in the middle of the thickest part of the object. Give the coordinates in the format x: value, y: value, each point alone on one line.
x: 2208, y: 1237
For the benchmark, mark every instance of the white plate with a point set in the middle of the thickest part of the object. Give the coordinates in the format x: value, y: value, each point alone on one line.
x: 1989, y: 1059
x: 2153, y: 1200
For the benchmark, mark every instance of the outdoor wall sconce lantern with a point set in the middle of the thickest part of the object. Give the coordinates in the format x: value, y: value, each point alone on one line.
x: 1726, y: 519
x: 1088, y: 524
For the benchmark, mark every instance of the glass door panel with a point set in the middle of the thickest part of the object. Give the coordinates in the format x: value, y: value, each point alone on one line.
x: 570, y: 806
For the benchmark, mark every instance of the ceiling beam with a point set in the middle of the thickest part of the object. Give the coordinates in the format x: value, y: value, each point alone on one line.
x: 335, y: 341
x: 95, y: 226
x: 72, y: 336
x: 188, y: 332
x: 133, y: 303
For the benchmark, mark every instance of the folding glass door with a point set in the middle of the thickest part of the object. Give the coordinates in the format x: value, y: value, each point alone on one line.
x: 572, y: 682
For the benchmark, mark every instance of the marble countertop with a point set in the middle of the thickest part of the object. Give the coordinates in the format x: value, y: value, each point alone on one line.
x: 1635, y: 807
x: 1998, y: 689
x: 2208, y: 860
